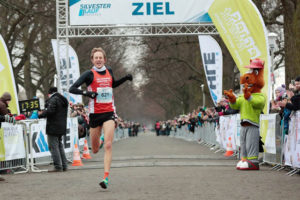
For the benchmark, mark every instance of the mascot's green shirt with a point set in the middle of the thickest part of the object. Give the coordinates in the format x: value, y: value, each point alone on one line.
x: 250, y: 109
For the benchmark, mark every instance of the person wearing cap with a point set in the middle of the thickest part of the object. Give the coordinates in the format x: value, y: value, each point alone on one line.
x: 56, y: 110
x: 251, y: 104
x: 100, y: 82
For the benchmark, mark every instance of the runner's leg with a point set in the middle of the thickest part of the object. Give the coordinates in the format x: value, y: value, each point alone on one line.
x: 95, y: 138
x: 108, y: 128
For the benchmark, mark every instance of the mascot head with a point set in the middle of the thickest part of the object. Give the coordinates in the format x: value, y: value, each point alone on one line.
x: 254, y: 78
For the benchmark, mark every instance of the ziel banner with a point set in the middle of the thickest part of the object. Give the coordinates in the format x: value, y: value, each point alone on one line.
x: 97, y: 12
x: 243, y: 31
x: 7, y: 80
x: 213, y: 65
x: 74, y: 72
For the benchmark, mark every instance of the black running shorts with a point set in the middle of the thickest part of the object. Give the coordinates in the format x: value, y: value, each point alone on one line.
x: 97, y: 119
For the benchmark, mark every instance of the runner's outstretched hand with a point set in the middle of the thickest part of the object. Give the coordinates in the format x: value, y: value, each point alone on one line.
x: 90, y: 94
x: 129, y: 77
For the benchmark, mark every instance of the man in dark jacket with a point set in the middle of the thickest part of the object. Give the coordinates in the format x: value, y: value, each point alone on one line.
x: 56, y: 113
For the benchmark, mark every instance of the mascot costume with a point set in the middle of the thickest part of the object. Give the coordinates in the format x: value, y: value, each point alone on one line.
x: 251, y: 104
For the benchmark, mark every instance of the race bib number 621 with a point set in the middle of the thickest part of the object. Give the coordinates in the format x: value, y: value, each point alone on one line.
x: 104, y: 95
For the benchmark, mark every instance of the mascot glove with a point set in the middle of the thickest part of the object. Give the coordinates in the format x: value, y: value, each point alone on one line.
x: 230, y: 95
x: 247, y: 93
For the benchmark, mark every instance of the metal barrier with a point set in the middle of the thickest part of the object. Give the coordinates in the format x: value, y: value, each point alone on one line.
x: 206, y: 135
x: 29, y: 163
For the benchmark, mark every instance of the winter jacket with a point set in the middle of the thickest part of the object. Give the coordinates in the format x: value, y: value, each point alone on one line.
x: 3, y: 107
x: 295, y: 105
x: 56, y: 113
x: 250, y: 109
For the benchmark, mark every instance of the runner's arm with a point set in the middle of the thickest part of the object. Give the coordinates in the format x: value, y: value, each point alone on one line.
x: 87, y: 78
x: 116, y: 83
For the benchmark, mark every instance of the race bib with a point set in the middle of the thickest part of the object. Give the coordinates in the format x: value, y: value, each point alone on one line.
x: 104, y: 95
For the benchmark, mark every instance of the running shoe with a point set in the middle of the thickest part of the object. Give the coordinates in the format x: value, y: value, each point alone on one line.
x: 104, y: 183
x: 101, y: 141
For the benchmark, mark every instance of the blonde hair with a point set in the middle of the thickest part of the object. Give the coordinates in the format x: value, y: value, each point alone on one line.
x: 96, y: 49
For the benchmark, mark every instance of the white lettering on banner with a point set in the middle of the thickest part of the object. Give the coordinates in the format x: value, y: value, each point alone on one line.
x: 238, y: 27
x: 210, y: 58
x: 152, y: 8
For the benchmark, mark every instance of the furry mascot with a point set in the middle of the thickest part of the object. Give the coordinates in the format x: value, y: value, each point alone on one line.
x: 251, y: 105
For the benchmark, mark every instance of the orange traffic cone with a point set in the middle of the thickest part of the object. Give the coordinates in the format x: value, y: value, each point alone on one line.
x: 76, y: 157
x: 86, y: 152
x: 229, y: 150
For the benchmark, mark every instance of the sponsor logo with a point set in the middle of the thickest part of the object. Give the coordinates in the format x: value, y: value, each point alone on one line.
x: 152, y: 8
x: 92, y: 9
x: 210, y: 59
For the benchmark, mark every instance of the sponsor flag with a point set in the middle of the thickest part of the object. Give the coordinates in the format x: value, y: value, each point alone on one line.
x: 74, y: 72
x: 243, y: 31
x: 7, y: 80
x: 213, y: 65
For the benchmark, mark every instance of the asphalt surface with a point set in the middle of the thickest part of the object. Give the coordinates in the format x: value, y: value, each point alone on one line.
x: 150, y: 167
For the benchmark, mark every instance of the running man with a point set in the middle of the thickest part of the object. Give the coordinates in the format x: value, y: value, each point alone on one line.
x: 100, y: 83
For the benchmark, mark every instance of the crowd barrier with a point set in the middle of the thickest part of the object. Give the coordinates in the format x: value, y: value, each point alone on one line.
x: 281, y: 150
x: 24, y: 146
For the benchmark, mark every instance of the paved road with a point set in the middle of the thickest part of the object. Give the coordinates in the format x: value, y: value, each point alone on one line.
x: 150, y: 167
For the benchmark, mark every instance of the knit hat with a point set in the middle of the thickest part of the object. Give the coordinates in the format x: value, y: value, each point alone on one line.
x: 281, y: 90
x: 6, y: 96
x: 297, y: 79
x: 52, y: 90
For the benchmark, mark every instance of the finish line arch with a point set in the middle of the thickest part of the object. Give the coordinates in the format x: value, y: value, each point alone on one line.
x: 239, y: 22
x: 65, y: 31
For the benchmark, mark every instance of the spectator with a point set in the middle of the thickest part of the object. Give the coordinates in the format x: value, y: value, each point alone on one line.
x: 9, y: 119
x: 275, y: 107
x: 4, y: 101
x: 56, y: 113
x: 157, y: 128
x: 295, y: 100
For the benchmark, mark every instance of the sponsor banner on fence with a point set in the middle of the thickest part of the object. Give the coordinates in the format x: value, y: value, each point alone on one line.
x: 243, y: 31
x: 74, y: 72
x: 292, y: 142
x: 7, y: 80
x: 213, y: 65
x: 40, y: 142
x: 11, y: 142
x: 228, y: 128
x: 97, y: 12
x: 268, y: 132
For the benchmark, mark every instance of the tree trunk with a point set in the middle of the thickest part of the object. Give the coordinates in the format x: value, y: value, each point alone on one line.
x: 291, y: 38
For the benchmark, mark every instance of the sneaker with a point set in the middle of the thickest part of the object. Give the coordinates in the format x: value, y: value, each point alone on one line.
x: 248, y: 165
x: 101, y: 141
x: 2, y: 179
x: 104, y: 183
x: 238, y: 165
